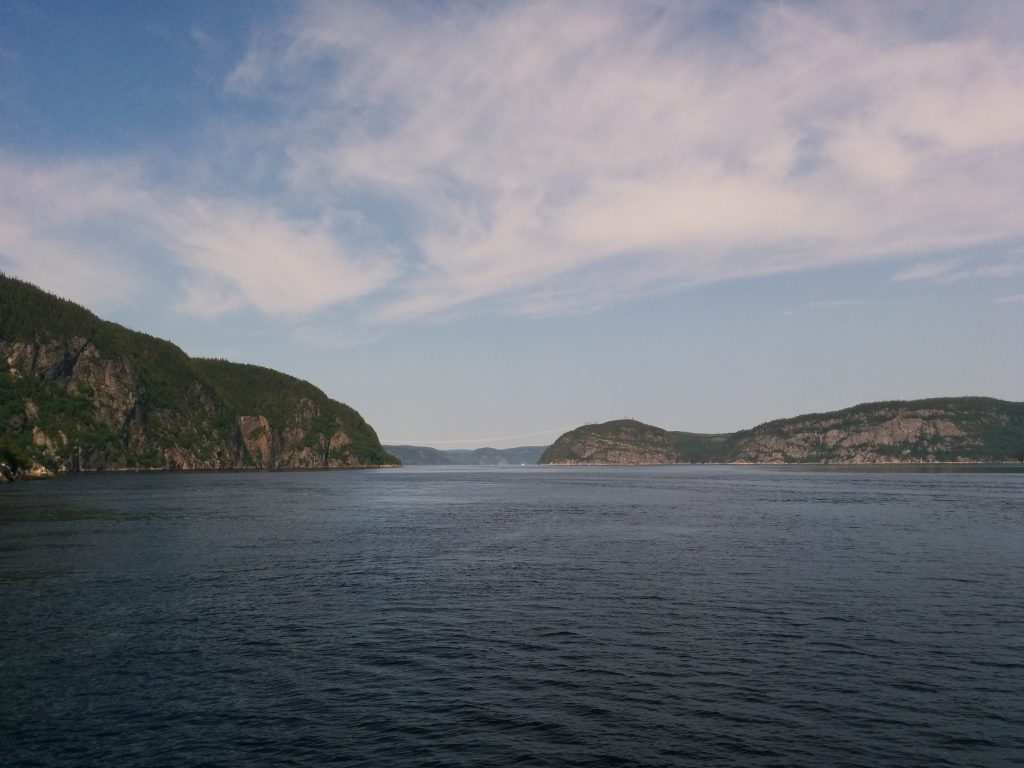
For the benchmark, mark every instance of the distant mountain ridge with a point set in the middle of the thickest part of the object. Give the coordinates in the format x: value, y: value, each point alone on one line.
x: 953, y: 429
x: 81, y: 393
x: 416, y: 455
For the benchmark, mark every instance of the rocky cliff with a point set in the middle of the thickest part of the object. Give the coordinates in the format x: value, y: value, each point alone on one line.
x: 79, y: 393
x: 615, y: 442
x: 961, y: 429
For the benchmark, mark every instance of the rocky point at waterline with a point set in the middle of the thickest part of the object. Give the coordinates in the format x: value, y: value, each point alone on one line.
x: 78, y: 393
x: 937, y: 430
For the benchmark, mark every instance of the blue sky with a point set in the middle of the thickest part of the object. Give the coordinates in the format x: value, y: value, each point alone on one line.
x: 485, y: 223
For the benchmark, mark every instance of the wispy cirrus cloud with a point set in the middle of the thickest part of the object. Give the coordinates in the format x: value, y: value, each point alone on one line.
x: 240, y: 253
x: 548, y: 146
x: 953, y: 271
x: 927, y: 270
x: 97, y: 231
x: 831, y: 305
x: 63, y: 225
x: 541, y: 158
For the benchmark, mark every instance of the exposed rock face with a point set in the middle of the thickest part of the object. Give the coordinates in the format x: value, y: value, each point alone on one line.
x: 107, y: 398
x: 948, y: 430
x: 620, y: 442
x: 255, y: 434
x: 136, y: 433
x: 968, y: 429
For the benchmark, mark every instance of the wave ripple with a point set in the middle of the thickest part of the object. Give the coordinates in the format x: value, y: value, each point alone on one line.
x: 570, y: 617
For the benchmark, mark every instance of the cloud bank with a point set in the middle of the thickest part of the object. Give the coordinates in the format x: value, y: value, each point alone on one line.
x: 538, y: 158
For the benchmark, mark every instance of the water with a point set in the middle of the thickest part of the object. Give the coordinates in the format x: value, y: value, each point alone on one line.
x: 542, y: 617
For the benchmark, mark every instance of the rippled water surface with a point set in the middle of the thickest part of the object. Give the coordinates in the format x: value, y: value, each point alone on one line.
x: 531, y: 616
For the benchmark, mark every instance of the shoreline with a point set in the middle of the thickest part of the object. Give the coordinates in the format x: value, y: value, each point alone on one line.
x: 41, y: 473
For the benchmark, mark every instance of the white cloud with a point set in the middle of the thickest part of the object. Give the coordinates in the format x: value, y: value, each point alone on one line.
x: 839, y: 303
x: 830, y: 304
x: 957, y: 270
x: 240, y: 253
x: 91, y: 231
x: 202, y: 39
x: 538, y: 141
x: 542, y: 157
x: 926, y: 270
x: 60, y: 226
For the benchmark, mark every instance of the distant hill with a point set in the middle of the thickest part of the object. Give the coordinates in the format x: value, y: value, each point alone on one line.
x: 81, y: 393
x: 414, y: 455
x: 952, y: 429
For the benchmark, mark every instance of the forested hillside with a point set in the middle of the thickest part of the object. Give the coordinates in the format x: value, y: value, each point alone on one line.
x: 81, y: 393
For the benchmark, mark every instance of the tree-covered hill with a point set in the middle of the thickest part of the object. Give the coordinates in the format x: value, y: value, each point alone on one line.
x: 950, y: 429
x: 416, y: 455
x: 81, y: 393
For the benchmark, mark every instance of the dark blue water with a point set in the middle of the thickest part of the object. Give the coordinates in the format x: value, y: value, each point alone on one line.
x: 730, y: 616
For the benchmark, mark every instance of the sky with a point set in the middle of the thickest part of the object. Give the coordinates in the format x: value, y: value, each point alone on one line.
x: 485, y: 223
